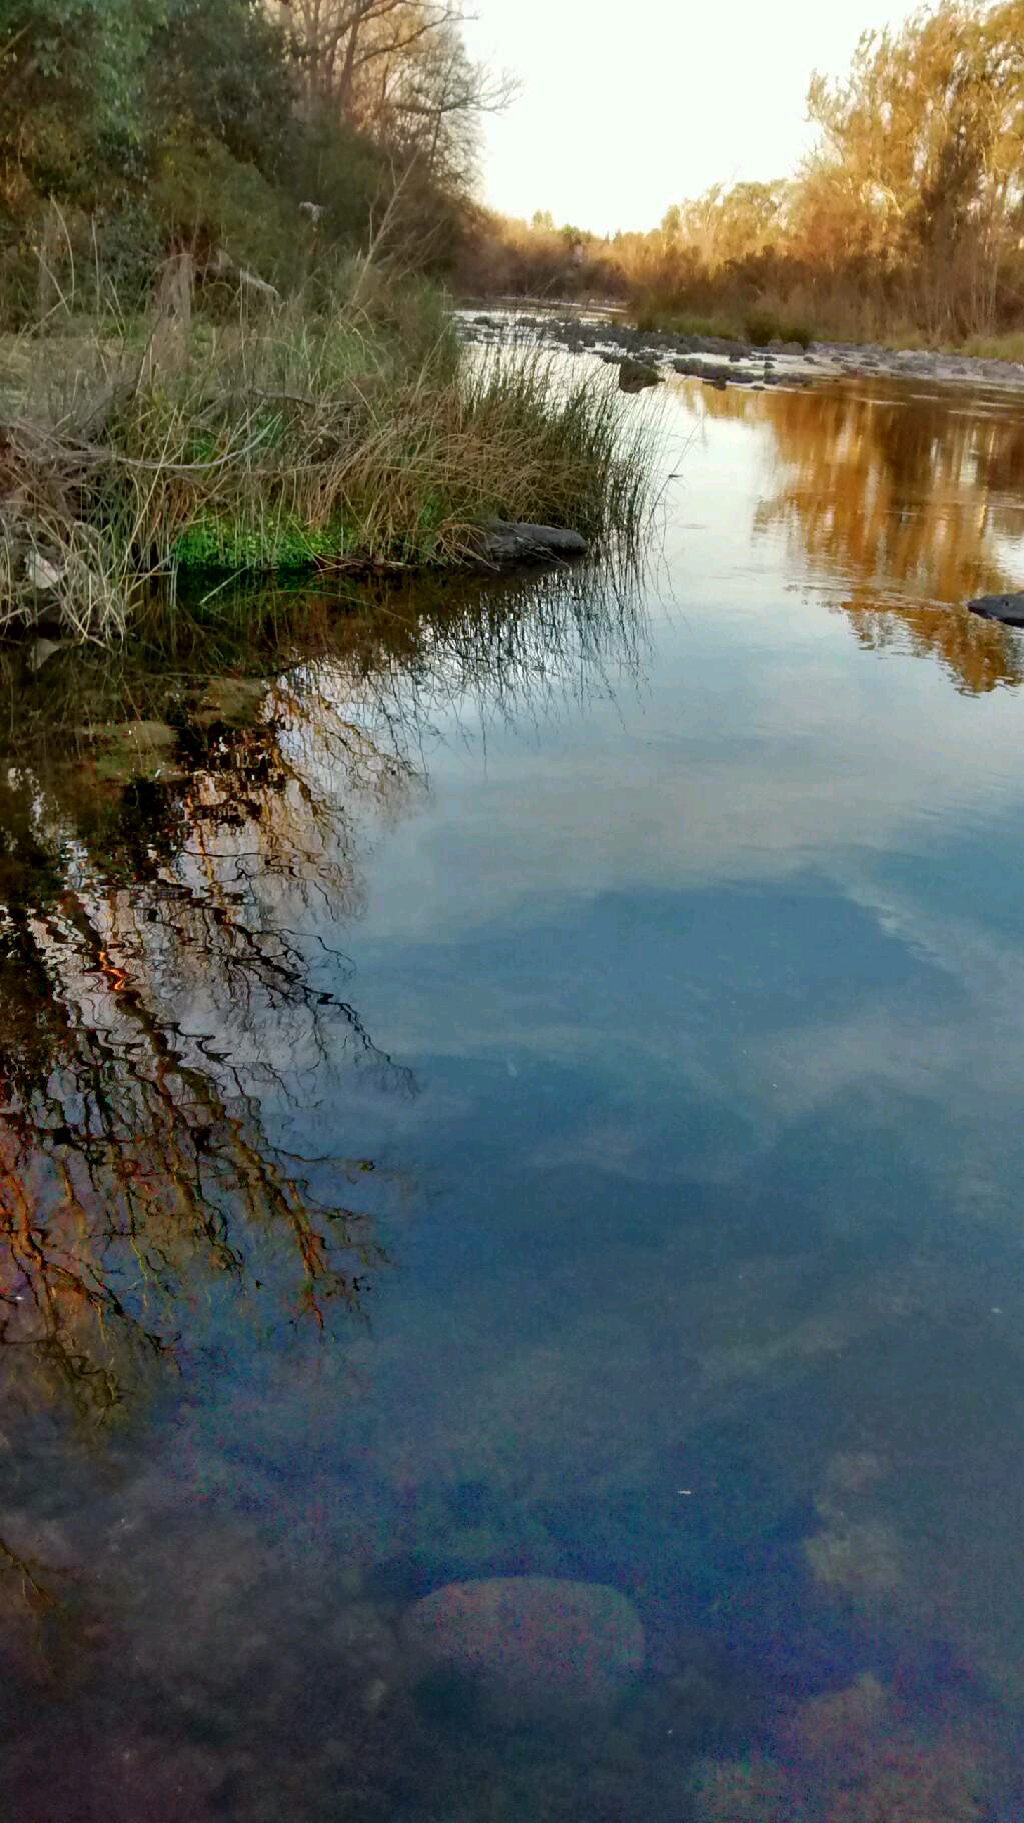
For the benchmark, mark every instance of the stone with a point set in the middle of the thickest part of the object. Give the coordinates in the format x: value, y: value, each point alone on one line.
x: 635, y: 375
x: 503, y: 544
x: 529, y: 1646
x: 711, y: 371
x: 43, y: 649
x: 1007, y: 608
x: 42, y: 572
x: 236, y: 701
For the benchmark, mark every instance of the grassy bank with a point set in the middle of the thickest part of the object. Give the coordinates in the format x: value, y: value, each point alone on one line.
x: 778, y: 320
x: 760, y: 325
x: 147, y: 462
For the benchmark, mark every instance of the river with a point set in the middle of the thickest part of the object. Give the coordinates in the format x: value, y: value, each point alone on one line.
x: 538, y: 1090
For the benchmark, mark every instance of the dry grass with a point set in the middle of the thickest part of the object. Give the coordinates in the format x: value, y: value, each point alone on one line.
x: 1008, y: 347
x: 134, y: 453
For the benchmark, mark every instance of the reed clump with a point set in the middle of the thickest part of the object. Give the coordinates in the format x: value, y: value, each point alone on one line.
x: 136, y: 454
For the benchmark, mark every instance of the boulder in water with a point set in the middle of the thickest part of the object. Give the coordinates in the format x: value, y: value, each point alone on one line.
x: 1007, y: 608
x: 529, y: 1645
x: 505, y: 545
x: 635, y: 375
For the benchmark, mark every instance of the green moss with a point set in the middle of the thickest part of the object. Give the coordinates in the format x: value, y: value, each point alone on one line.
x: 214, y: 542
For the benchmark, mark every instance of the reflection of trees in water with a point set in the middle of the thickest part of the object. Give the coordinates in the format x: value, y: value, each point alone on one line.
x: 900, y: 501
x: 516, y: 651
x: 168, y: 978
x: 150, y: 1000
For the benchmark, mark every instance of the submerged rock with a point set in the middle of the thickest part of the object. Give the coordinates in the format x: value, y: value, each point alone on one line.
x: 130, y: 750
x: 503, y: 544
x: 236, y: 701
x: 529, y: 1644
x: 1007, y: 608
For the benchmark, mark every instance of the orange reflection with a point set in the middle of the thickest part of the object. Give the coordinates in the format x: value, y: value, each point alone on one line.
x: 901, y: 505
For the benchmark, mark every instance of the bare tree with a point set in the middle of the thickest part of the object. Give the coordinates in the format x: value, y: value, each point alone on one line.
x: 340, y: 43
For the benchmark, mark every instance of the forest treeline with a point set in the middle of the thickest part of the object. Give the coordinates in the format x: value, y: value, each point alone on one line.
x: 906, y: 220
x: 130, y: 129
x: 264, y: 134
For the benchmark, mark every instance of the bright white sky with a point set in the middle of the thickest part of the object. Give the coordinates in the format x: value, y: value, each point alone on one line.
x: 626, y: 108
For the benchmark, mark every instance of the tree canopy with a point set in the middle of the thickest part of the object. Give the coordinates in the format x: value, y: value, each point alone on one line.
x: 177, y: 118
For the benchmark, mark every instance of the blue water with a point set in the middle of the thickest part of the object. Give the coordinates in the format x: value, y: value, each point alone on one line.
x: 684, y: 920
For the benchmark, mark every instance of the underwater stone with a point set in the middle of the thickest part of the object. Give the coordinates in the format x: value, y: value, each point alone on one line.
x: 529, y: 1644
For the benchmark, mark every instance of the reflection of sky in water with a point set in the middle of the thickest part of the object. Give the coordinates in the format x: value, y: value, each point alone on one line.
x: 709, y: 1280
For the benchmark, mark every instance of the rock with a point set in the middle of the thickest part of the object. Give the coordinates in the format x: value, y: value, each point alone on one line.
x: 502, y: 545
x: 635, y: 375
x: 700, y: 370
x: 42, y: 649
x: 42, y: 572
x: 1007, y: 608
x: 720, y: 344
x: 529, y: 1645
x: 236, y: 701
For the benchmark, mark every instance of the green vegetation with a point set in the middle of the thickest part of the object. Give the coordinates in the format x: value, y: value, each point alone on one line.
x: 255, y: 136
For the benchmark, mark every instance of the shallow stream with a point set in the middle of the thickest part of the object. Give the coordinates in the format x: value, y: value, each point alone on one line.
x: 539, y: 1090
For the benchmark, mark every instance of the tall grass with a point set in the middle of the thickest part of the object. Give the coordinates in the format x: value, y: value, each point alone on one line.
x: 135, y: 453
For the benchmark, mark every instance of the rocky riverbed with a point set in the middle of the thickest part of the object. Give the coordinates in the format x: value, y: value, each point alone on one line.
x: 723, y: 361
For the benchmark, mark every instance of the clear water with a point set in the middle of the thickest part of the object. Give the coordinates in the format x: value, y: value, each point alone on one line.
x: 547, y: 1100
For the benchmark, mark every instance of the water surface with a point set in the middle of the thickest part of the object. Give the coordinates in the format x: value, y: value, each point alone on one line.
x: 540, y: 1090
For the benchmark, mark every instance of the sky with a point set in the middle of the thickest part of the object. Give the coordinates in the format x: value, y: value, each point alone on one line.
x: 625, y: 109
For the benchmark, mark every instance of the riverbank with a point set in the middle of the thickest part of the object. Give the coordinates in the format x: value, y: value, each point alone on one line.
x: 146, y: 466
x: 731, y: 360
